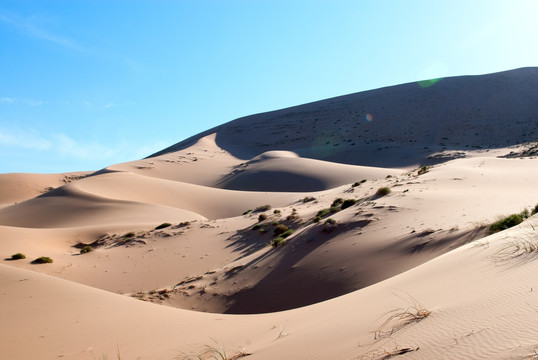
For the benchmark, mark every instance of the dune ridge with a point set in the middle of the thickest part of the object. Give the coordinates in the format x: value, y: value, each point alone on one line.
x: 270, y: 235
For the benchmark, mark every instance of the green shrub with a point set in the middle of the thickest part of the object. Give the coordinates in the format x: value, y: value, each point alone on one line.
x: 86, y: 249
x: 334, y: 209
x: 18, y: 256
x: 129, y: 235
x: 329, y: 225
x: 262, y: 208
x: 525, y: 214
x: 535, y: 210
x: 423, y: 170
x: 308, y: 198
x: 382, y: 191
x: 275, y: 223
x: 246, y: 212
x: 256, y: 227
x: 262, y: 231
x: 355, y: 184
x: 276, y: 211
x: 316, y: 219
x: 42, y: 260
x: 278, y: 241
x: 286, y: 233
x: 363, y: 181
x: 323, y: 212
x: 505, y: 223
x: 337, y: 202
x: 162, y: 226
x: 262, y: 217
x: 184, y: 223
x: 348, y: 202
x: 280, y: 229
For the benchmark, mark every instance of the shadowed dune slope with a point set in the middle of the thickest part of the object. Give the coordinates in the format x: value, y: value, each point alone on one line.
x: 395, y: 126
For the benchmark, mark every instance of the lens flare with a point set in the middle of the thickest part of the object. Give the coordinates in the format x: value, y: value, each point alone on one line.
x: 369, y: 117
x: 428, y: 83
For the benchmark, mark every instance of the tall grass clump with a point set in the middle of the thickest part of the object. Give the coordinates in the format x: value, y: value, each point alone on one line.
x: 382, y: 191
x: 18, y: 256
x: 505, y: 223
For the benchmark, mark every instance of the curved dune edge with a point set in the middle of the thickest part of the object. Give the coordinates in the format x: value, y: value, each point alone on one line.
x: 337, y: 280
x: 461, y: 289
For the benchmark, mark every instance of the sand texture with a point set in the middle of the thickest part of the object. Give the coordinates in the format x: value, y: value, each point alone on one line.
x: 277, y: 243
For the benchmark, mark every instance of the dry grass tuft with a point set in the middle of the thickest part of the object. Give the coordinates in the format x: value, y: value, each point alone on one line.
x: 401, y: 317
x: 213, y: 352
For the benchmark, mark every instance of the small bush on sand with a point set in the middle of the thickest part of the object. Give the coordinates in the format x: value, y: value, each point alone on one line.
x: 316, y: 219
x: 286, y: 233
x: 382, y: 191
x: 262, y: 217
x: 535, y: 210
x: 280, y: 229
x: 262, y: 208
x: 256, y: 227
x: 248, y: 211
x: 278, y: 241
x: 308, y: 199
x: 276, y: 211
x: 348, y: 202
x: 262, y: 231
x: 423, y: 170
x: 42, y: 260
x: 363, y: 181
x: 355, y: 184
x: 184, y: 224
x: 18, y: 256
x: 162, y: 226
x: 86, y: 249
x: 323, y: 212
x: 337, y: 202
x: 329, y: 225
x: 129, y: 235
x: 505, y: 223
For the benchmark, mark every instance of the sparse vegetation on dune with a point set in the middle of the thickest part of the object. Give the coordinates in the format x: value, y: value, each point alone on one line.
x: 163, y: 225
x: 213, y: 352
x: 86, y: 249
x: 508, y: 222
x: 18, y: 256
x: 43, y: 260
x: 382, y: 191
x: 263, y: 208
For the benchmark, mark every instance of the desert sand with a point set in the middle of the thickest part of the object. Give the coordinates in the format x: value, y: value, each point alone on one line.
x: 412, y: 273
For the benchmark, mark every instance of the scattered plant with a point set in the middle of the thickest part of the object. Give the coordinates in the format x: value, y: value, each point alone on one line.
x: 337, y: 202
x: 323, y: 212
x: 162, y: 226
x: 400, y: 317
x: 308, y: 199
x: 213, y: 352
x: 287, y: 233
x: 355, y: 184
x: 329, y: 225
x: 184, y: 224
x: 276, y: 211
x: 280, y: 229
x: 256, y: 227
x: 505, y: 223
x: 18, y: 256
x: 423, y: 170
x: 347, y: 203
x: 382, y: 191
x: 262, y: 231
x: 316, y: 219
x: 535, y: 210
x: 129, y: 235
x: 278, y: 241
x: 42, y: 260
x: 248, y: 211
x: 262, y: 208
x: 262, y: 217
x: 86, y: 249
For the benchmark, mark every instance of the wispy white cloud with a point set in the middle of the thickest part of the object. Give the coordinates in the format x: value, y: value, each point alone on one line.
x: 11, y: 101
x: 24, y: 140
x: 6, y: 100
x: 29, y: 27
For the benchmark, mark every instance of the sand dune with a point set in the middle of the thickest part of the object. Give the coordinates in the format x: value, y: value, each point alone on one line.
x: 348, y: 254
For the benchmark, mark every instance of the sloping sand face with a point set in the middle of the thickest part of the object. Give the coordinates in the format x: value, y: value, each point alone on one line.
x: 283, y: 211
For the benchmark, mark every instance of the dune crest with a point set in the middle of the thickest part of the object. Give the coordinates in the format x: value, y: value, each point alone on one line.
x: 362, y: 219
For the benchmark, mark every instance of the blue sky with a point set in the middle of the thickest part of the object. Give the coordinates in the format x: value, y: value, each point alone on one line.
x: 86, y: 84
